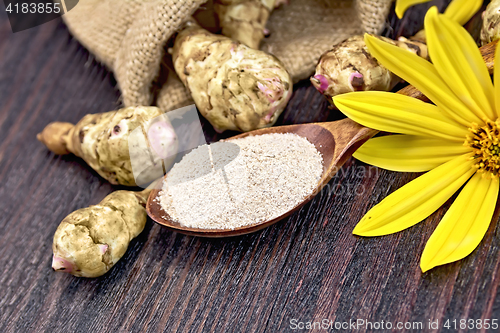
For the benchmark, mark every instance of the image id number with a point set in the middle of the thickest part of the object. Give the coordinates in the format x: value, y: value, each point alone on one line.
x: 471, y: 324
x: 33, y: 8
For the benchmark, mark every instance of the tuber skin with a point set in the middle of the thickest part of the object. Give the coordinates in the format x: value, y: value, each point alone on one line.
x: 89, y: 241
x: 233, y: 86
x: 349, y: 67
x: 244, y: 20
x: 102, y: 140
x: 491, y: 23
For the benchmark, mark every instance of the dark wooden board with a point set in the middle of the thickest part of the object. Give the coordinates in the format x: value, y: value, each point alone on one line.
x: 307, y: 267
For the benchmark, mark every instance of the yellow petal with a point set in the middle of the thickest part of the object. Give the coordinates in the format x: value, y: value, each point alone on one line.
x: 464, y: 224
x: 458, y: 61
x: 408, y: 153
x: 403, y: 5
x: 397, y: 113
x: 421, y: 74
x: 496, y: 77
x: 416, y: 200
x: 461, y: 11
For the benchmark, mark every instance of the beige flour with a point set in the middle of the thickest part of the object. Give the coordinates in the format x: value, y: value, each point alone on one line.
x: 241, y: 182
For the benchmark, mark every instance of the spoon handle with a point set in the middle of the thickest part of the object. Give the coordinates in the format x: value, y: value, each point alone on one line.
x: 349, y: 136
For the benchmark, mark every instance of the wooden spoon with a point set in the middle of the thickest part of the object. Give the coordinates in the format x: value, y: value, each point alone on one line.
x: 335, y: 140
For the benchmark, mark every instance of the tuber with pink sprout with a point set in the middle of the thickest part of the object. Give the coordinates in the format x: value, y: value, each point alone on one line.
x: 89, y: 241
x: 125, y: 147
x: 244, y: 20
x: 349, y: 67
x: 234, y: 87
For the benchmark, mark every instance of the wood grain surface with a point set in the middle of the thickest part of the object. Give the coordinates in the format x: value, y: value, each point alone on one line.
x: 308, y: 267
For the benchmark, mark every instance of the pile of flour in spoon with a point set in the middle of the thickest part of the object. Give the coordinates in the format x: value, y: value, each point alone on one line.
x: 242, y: 181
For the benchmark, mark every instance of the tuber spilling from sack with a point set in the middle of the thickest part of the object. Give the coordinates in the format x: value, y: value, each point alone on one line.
x: 89, y: 241
x: 349, y: 67
x: 234, y: 87
x: 491, y: 23
x: 103, y: 141
x: 244, y: 20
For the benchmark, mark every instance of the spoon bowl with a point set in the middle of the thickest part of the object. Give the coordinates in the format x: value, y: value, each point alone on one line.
x: 336, y: 141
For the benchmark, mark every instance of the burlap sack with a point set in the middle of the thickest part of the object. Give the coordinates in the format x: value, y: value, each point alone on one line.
x: 129, y: 36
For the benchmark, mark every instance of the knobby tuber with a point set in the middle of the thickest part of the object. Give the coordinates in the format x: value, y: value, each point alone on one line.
x: 111, y: 145
x: 350, y: 67
x: 89, y: 241
x: 235, y: 87
x: 491, y: 23
x: 244, y: 20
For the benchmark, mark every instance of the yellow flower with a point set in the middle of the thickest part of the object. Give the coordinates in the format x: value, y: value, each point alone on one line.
x: 457, y: 139
x: 458, y: 10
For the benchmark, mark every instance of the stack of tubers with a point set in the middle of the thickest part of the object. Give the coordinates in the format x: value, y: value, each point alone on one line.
x: 89, y: 241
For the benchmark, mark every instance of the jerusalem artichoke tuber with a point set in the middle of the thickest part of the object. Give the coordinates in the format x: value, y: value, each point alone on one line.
x: 491, y: 23
x: 108, y: 143
x: 244, y: 20
x: 233, y: 86
x: 350, y: 67
x: 89, y: 241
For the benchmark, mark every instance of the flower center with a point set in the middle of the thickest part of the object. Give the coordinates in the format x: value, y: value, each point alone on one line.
x: 485, y: 144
